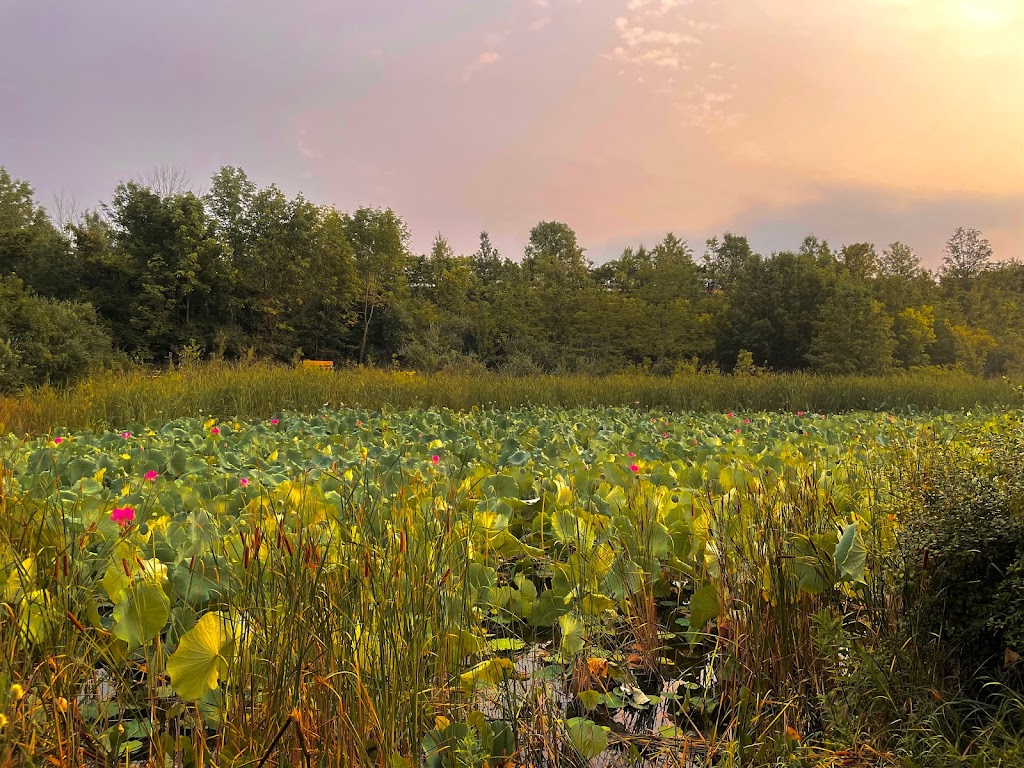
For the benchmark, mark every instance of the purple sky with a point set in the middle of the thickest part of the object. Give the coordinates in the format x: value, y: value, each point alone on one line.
x: 853, y: 119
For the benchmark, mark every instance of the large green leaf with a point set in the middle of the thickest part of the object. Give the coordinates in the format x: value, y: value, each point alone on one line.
x: 523, y: 598
x: 142, y: 614
x: 573, y: 635
x: 703, y: 606
x: 499, y: 487
x: 574, y: 528
x: 202, y: 656
x: 851, y: 555
x: 587, y: 737
x: 37, y: 617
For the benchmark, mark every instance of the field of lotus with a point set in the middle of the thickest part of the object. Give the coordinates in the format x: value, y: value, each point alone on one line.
x: 529, y: 587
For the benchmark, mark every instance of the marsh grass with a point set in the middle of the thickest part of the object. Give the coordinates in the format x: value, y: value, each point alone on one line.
x: 352, y: 651
x: 120, y: 399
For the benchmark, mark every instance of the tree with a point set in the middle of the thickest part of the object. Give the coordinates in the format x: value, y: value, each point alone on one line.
x: 166, y: 180
x: 322, y: 313
x: 972, y: 346
x: 725, y: 260
x: 104, y: 275
x: 915, y: 334
x: 380, y: 242
x: 853, y: 334
x: 178, y: 262
x: 558, y: 275
x: 674, y: 274
x: 554, y: 257
x: 626, y: 274
x: 899, y: 260
x: 487, y: 262
x: 774, y: 307
x: 818, y: 250
x: 859, y: 260
x: 967, y: 254
x: 30, y: 245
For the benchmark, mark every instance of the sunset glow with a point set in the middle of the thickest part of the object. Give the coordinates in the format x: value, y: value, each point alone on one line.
x: 855, y: 119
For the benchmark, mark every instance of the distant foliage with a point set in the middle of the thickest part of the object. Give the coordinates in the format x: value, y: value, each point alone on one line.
x: 248, y: 271
x: 46, y: 341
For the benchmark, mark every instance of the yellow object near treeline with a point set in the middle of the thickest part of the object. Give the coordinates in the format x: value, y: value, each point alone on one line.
x: 325, y: 365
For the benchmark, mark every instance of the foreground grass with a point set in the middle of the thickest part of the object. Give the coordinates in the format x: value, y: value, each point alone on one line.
x: 461, y: 590
x: 258, y: 391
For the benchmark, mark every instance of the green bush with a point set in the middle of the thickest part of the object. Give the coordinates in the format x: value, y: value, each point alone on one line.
x: 44, y: 341
x: 963, y: 550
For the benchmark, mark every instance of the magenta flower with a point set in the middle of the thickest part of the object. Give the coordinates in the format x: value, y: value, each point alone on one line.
x: 215, y: 431
x: 664, y: 434
x: 151, y: 476
x: 243, y: 481
x: 275, y: 422
x: 126, y: 435
x: 631, y: 454
x: 746, y: 421
x: 800, y: 413
x: 729, y: 415
x: 634, y: 468
x: 58, y: 440
x: 123, y: 516
x: 435, y: 459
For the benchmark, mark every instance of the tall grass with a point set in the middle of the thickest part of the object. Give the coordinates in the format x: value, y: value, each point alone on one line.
x: 119, y: 399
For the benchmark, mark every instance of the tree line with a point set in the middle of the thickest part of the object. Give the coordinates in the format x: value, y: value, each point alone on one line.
x: 160, y: 273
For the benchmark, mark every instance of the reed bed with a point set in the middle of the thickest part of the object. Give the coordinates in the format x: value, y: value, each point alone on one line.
x: 116, y: 399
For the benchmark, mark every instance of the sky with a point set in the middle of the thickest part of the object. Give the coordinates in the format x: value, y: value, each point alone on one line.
x: 855, y: 120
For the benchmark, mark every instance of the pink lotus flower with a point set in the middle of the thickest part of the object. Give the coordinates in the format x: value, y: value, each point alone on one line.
x: 244, y: 481
x: 435, y: 459
x: 275, y: 422
x: 123, y: 516
x: 126, y: 435
x: 58, y: 440
x: 215, y: 431
x: 151, y: 476
x: 634, y: 468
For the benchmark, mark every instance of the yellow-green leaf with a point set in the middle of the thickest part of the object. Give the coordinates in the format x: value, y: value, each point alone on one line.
x: 202, y: 656
x: 141, y: 616
x: 488, y: 673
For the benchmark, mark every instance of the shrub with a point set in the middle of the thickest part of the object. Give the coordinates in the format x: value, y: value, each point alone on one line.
x: 45, y: 341
x: 963, y: 554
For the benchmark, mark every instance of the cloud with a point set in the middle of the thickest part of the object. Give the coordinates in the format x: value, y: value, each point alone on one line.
x: 483, y: 60
x: 303, y: 146
x: 646, y: 37
x: 539, y: 24
x: 657, y: 38
x: 655, y: 7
